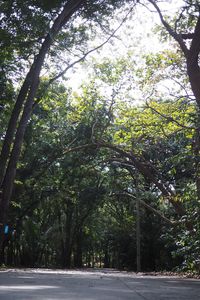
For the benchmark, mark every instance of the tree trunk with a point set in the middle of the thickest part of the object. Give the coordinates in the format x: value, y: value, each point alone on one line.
x: 26, y: 95
x: 12, y: 126
x: 106, y: 261
x: 192, y: 60
x: 78, y: 250
x: 193, y: 71
x: 138, y: 236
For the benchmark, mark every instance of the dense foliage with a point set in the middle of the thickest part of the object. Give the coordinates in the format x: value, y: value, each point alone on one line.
x: 94, y: 165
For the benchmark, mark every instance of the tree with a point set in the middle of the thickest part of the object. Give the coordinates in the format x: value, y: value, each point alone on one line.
x: 23, y: 106
x: 26, y: 97
x: 187, y: 27
x: 86, y: 156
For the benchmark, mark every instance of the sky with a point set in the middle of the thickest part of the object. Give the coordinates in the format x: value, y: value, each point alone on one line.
x: 136, y: 35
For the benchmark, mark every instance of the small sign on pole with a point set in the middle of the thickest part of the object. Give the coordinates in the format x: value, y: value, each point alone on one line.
x: 6, y: 228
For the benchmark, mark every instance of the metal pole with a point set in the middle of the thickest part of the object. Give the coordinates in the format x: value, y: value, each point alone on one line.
x: 138, y: 235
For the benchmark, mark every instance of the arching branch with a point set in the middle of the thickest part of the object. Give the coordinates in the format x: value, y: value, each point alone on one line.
x: 140, y: 166
x: 155, y: 211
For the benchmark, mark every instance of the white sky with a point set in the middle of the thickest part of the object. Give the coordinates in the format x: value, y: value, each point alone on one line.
x: 136, y: 35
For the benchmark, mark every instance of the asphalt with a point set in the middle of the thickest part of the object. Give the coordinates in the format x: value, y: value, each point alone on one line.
x: 43, y: 284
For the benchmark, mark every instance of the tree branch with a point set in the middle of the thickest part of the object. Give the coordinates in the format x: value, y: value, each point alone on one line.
x: 195, y: 45
x: 170, y: 119
x: 187, y: 36
x: 170, y: 30
x: 62, y: 73
x: 142, y: 168
x: 155, y: 211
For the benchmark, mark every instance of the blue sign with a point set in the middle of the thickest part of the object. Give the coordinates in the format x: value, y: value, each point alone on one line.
x: 6, y: 229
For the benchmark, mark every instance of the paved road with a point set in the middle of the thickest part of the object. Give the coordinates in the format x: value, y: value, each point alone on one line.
x: 94, y: 285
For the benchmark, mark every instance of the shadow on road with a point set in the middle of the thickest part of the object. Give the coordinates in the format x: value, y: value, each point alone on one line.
x: 94, y: 284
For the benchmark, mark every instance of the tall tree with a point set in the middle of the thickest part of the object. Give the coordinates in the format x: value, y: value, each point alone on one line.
x: 23, y: 106
x: 185, y: 30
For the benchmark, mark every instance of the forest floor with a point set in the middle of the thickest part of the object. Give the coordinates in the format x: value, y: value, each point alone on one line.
x: 95, y: 284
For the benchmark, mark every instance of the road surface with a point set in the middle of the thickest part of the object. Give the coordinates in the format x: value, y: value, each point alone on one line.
x: 102, y: 284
